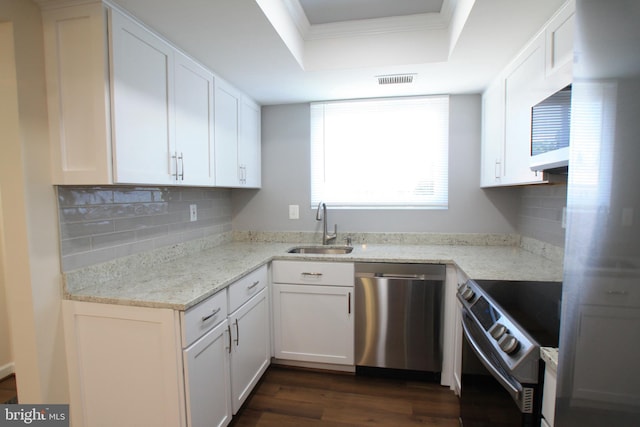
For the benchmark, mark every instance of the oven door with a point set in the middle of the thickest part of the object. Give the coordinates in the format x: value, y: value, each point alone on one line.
x: 490, y: 396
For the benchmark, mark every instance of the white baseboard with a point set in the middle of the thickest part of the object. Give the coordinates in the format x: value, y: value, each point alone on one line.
x: 314, y: 365
x: 6, y: 370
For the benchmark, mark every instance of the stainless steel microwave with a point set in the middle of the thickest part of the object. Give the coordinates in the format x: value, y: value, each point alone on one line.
x: 550, y: 131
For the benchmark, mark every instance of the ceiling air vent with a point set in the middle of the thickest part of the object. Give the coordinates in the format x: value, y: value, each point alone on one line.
x: 392, y: 79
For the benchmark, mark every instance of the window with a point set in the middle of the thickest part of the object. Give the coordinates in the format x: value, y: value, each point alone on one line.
x: 381, y: 153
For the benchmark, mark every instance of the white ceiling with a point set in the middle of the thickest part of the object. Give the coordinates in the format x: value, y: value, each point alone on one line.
x: 274, y: 53
x: 326, y: 11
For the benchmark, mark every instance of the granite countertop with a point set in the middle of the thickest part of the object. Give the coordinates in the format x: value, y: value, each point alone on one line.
x: 181, y: 283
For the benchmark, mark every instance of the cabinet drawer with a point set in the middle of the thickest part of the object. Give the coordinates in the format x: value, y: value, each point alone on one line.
x: 612, y: 291
x: 202, y: 317
x: 246, y: 287
x: 313, y: 273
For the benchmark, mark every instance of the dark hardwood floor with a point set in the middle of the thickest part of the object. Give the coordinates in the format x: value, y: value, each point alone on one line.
x: 296, y: 397
x: 8, y: 391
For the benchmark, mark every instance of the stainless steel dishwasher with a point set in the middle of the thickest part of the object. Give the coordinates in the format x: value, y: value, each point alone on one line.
x: 399, y: 316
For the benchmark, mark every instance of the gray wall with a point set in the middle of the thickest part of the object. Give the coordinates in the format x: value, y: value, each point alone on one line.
x: 98, y: 224
x: 286, y: 171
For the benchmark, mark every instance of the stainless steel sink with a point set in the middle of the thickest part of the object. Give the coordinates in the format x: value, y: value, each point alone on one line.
x: 331, y: 250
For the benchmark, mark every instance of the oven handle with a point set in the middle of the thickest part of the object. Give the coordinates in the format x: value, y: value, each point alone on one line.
x: 514, y: 391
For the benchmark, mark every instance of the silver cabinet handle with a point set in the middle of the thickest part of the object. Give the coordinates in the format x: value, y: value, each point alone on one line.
x: 175, y: 164
x: 182, y: 164
x: 622, y: 293
x: 237, y: 340
x: 179, y: 176
x: 242, y: 172
x: 256, y: 283
x: 314, y: 275
x: 213, y: 313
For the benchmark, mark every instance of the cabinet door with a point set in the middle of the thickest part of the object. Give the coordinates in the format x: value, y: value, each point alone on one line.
x: 549, y: 397
x: 524, y: 87
x: 142, y: 71
x: 559, y: 39
x: 74, y: 39
x: 125, y: 366
x: 193, y: 159
x: 314, y: 323
x: 227, y: 116
x: 607, y: 327
x: 249, y: 146
x: 493, y: 135
x: 207, y: 382
x: 457, y: 352
x: 251, y: 353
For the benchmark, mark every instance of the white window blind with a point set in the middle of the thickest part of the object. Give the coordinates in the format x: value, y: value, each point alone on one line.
x: 381, y: 153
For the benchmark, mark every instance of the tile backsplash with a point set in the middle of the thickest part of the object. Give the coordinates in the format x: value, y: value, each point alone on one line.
x: 540, y: 214
x: 99, y: 224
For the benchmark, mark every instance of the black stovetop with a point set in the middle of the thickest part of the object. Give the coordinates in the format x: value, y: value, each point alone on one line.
x: 535, y: 306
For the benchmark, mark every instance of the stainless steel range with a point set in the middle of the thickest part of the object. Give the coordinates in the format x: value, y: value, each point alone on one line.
x: 505, y: 324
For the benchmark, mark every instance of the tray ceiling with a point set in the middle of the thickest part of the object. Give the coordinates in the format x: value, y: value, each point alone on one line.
x: 329, y: 11
x: 272, y: 51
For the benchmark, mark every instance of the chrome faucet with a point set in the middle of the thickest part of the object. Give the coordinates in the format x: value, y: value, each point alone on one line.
x: 326, y: 237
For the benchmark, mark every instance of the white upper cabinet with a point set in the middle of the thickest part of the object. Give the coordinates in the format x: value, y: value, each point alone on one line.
x: 543, y: 67
x: 77, y: 71
x: 493, y: 119
x: 523, y: 85
x: 193, y: 161
x: 559, y: 45
x: 237, y: 138
x: 142, y: 103
x: 127, y: 107
x: 249, y: 151
x: 227, y: 129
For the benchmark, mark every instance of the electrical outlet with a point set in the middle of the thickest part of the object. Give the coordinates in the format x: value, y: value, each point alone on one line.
x: 294, y: 212
x: 193, y: 212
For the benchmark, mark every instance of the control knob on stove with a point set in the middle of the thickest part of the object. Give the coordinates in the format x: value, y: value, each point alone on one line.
x: 466, y: 292
x: 509, y: 344
x: 498, y: 331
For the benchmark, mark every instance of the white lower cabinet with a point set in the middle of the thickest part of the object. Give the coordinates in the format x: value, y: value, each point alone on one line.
x: 207, y: 381
x: 313, y: 318
x: 251, y: 351
x: 549, y: 397
x: 140, y: 366
x: 124, y: 365
x: 206, y: 339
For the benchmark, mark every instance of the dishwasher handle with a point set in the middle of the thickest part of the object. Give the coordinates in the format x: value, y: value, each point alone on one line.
x: 400, y: 276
